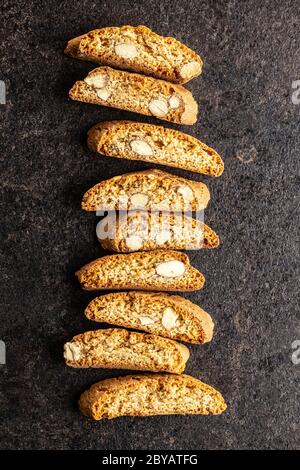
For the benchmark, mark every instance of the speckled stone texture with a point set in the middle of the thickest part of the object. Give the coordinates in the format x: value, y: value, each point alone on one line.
x: 251, y: 55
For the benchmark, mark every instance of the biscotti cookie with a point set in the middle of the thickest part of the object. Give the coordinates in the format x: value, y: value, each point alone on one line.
x: 146, y: 270
x: 141, y: 230
x: 137, y: 93
x: 149, y: 395
x: 139, y: 49
x: 159, y: 313
x: 152, y: 190
x: 116, y: 348
x: 156, y: 144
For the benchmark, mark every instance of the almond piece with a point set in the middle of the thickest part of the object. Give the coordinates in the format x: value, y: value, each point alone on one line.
x: 103, y: 94
x: 96, y: 81
x: 206, y: 401
x: 184, y: 351
x: 163, y: 236
x: 190, y: 69
x: 186, y: 192
x: 141, y: 147
x: 146, y: 320
x: 174, y: 102
x: 172, y: 268
x: 169, y: 318
x: 72, y: 352
x: 126, y: 50
x: 139, y: 200
x: 158, y: 107
x: 134, y: 243
x: 123, y: 200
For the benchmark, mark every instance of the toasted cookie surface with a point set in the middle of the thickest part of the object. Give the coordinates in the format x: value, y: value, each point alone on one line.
x: 148, y: 395
x: 156, y: 144
x: 163, y: 314
x: 137, y: 93
x: 153, y: 270
x: 139, y: 49
x: 140, y: 230
x: 151, y: 190
x: 117, y: 348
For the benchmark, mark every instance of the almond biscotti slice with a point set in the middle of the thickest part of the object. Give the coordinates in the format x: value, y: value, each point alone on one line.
x: 137, y: 93
x: 149, y: 395
x: 151, y: 270
x: 146, y: 231
x: 117, y: 348
x: 139, y: 49
x: 156, y: 144
x: 151, y: 190
x: 159, y: 313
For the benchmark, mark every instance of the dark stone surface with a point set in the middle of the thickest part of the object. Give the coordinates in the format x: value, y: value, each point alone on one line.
x: 251, y: 55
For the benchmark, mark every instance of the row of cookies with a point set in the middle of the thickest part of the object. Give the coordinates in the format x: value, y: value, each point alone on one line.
x: 150, y: 210
x: 155, y: 200
x: 161, y: 320
x: 164, y: 63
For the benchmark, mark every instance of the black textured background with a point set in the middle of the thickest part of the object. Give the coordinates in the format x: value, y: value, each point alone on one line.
x: 251, y: 54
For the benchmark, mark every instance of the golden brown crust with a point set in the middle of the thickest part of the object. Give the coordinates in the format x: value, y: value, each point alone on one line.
x: 142, y: 271
x: 147, y: 231
x: 161, y: 145
x: 137, y: 93
x: 131, y: 309
x: 149, y: 395
x: 117, y: 348
x: 211, y: 239
x: 151, y: 54
x: 162, y: 191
